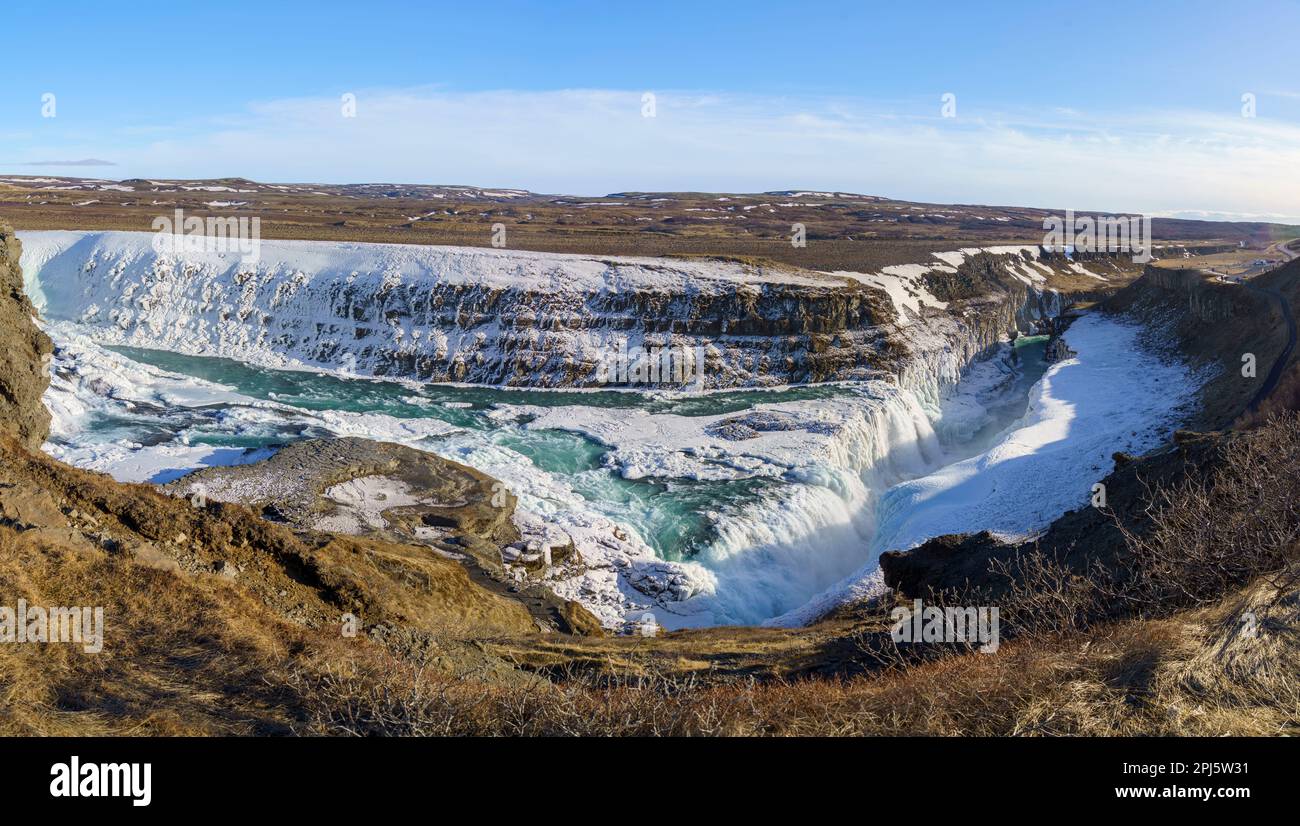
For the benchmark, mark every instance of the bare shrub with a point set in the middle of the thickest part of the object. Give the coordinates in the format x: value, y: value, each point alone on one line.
x: 1210, y: 534
x: 1047, y: 597
x: 1285, y: 397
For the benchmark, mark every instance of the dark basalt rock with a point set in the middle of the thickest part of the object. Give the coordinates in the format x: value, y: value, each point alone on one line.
x: 24, y: 355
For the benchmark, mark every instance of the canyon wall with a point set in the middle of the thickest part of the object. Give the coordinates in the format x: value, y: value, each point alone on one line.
x: 24, y: 353
x: 1215, y: 326
x: 520, y: 319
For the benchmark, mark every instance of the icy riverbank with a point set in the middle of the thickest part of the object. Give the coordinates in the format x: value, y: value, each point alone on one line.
x: 1115, y: 395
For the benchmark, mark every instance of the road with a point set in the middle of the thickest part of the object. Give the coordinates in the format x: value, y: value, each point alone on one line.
x: 1280, y: 248
x: 1285, y: 251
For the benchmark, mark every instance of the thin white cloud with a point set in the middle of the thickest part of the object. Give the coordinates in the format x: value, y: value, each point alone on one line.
x: 82, y: 162
x: 597, y: 141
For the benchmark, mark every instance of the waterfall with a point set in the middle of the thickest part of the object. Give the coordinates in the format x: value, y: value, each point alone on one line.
x: 526, y: 318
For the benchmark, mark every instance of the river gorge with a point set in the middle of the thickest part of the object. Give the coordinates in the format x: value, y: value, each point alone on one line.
x: 837, y: 415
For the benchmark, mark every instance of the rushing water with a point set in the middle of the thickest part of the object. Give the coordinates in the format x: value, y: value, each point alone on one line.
x: 677, y: 517
x: 770, y: 540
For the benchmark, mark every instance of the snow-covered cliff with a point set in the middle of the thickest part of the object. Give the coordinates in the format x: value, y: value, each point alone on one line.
x: 525, y: 319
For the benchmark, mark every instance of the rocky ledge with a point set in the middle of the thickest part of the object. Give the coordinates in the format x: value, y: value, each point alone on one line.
x: 25, y: 356
x: 358, y: 487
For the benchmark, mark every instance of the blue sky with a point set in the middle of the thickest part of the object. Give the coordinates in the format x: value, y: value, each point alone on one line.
x: 1134, y: 106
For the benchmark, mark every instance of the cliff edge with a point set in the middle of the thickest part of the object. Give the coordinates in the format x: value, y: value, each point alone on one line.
x: 24, y: 355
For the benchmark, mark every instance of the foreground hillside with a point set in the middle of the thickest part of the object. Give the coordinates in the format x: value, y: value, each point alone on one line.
x: 219, y: 620
x: 189, y: 650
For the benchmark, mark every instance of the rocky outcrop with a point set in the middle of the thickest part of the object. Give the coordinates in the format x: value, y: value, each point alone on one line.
x: 308, y: 579
x: 1057, y: 350
x: 1206, y: 299
x: 25, y: 353
x: 398, y: 494
x: 294, y: 487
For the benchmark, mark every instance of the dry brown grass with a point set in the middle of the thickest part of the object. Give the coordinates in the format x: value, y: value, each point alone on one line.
x: 204, y: 659
x: 186, y: 650
x: 181, y: 655
x: 1140, y: 677
x: 192, y: 653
